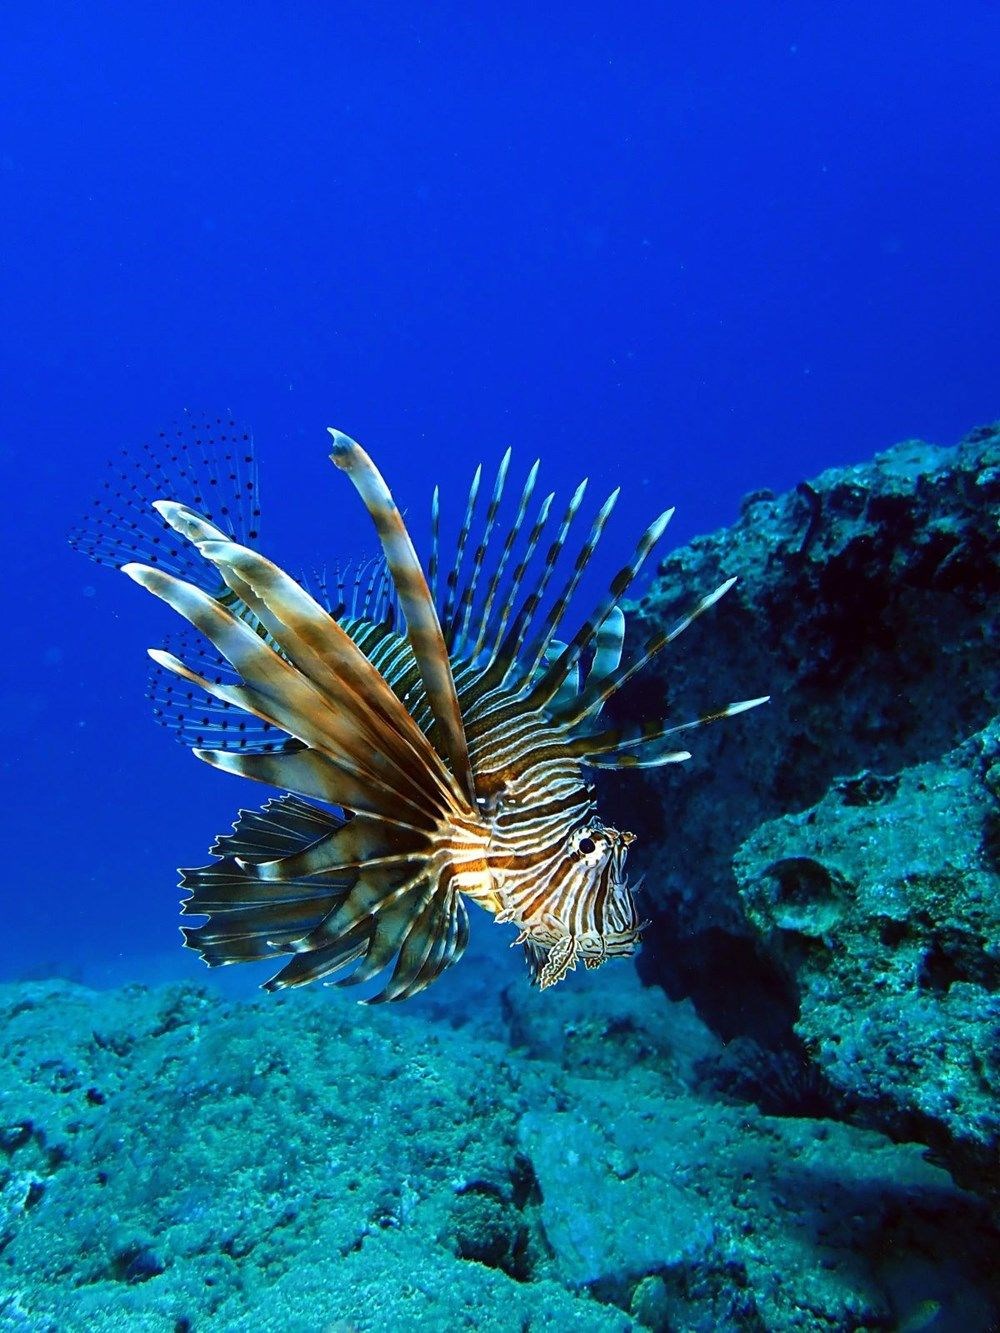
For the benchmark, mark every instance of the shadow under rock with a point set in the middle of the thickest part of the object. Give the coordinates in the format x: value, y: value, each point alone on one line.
x: 931, y: 1251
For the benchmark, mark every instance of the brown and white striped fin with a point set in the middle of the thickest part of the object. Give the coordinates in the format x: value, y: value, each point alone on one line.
x: 504, y: 653
x: 248, y: 919
x: 547, y: 687
x: 374, y: 745
x: 601, y: 688
x: 562, y: 602
x: 494, y: 635
x: 454, y: 573
x: 321, y: 649
x: 456, y: 630
x: 294, y: 879
x: 513, y: 533
x: 622, y: 742
x: 423, y: 628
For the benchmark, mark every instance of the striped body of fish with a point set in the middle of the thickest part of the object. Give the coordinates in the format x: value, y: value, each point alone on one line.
x: 432, y: 743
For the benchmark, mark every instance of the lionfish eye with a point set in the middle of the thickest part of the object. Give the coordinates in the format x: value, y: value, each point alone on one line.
x: 587, y: 845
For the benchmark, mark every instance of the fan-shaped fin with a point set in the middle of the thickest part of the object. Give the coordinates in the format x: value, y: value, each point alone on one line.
x: 323, y: 652
x: 434, y: 940
x: 315, y: 963
x: 420, y: 923
x: 363, y: 844
x: 325, y: 656
x: 207, y: 462
x: 282, y: 827
x: 278, y: 693
x: 388, y: 927
x: 250, y: 919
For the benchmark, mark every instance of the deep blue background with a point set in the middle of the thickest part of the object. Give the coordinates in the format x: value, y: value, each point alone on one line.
x: 694, y: 249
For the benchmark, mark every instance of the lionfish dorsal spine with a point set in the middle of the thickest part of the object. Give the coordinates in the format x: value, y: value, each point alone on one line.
x: 457, y: 630
x: 455, y: 572
x: 504, y: 653
x: 550, y: 682
x: 423, y: 629
x: 504, y: 556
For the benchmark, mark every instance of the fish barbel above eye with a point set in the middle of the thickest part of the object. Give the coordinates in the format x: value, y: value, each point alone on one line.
x: 432, y: 737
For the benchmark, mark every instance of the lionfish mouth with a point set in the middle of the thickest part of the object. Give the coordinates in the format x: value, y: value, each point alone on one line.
x: 385, y: 705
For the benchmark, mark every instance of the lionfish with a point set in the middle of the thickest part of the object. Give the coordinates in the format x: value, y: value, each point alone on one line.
x: 431, y: 735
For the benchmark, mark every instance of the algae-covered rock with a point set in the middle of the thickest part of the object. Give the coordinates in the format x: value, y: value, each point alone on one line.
x: 883, y: 903
x: 173, y: 1162
x: 748, y: 1221
x: 610, y: 1030
x: 866, y: 606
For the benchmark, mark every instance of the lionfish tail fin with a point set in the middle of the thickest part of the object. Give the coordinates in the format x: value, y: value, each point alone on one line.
x: 296, y: 880
x: 250, y: 919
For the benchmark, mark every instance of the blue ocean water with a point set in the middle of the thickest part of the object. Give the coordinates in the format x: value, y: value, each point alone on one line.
x: 691, y: 251
x: 687, y: 250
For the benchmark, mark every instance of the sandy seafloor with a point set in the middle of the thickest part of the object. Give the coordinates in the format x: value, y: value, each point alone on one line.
x: 175, y: 1160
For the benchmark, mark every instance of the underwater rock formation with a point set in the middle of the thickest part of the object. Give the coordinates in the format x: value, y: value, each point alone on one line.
x: 172, y: 1162
x: 882, y: 901
x: 866, y: 605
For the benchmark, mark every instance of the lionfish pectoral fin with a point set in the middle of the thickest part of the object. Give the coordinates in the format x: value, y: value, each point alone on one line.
x: 423, y: 926
x: 433, y: 939
x: 324, y: 911
x: 206, y: 462
x: 250, y: 918
x: 335, y: 703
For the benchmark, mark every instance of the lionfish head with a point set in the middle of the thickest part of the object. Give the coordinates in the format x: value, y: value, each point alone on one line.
x: 592, y: 914
x: 557, y: 869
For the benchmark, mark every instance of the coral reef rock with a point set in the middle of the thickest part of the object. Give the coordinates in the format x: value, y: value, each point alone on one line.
x: 170, y: 1162
x: 866, y: 606
x: 882, y: 902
